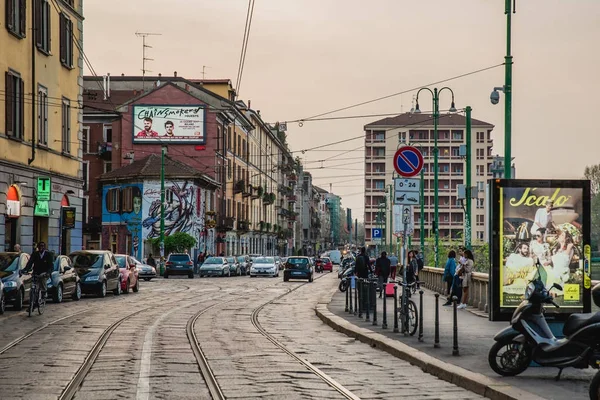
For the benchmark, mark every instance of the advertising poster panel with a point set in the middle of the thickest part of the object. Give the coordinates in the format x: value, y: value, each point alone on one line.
x: 545, y: 222
x: 169, y: 123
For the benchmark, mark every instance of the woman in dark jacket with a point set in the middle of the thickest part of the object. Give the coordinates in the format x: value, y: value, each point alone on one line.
x: 449, y: 271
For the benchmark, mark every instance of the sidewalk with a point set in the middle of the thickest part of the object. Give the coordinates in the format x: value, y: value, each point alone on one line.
x: 475, y: 337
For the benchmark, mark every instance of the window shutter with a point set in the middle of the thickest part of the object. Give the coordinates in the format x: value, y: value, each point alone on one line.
x: 71, y: 39
x: 48, y: 25
x: 23, y: 15
x: 10, y: 12
x: 21, y: 106
x: 9, y: 103
x: 37, y: 10
x: 63, y: 48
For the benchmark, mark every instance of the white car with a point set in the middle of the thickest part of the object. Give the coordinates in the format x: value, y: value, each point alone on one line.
x: 266, y: 266
x: 2, y: 302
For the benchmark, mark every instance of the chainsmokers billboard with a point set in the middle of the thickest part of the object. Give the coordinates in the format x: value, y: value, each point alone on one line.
x: 169, y: 123
x: 545, y: 221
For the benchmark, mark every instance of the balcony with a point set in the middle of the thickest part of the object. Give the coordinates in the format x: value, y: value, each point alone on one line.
x: 224, y: 224
x: 268, y: 199
x: 291, y: 198
x: 105, y: 150
x: 292, y: 178
x: 243, y: 226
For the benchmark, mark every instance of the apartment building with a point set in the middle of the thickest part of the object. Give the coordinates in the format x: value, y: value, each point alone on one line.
x: 40, y: 153
x: 384, y: 137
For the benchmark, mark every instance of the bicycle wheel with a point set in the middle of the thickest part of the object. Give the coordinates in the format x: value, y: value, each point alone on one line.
x: 413, y: 318
x: 41, y: 303
x: 30, y: 309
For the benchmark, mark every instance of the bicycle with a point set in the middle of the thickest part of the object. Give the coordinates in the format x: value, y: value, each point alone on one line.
x: 408, y: 314
x: 36, y: 297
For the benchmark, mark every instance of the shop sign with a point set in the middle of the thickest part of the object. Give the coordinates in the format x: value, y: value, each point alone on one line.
x: 68, y: 217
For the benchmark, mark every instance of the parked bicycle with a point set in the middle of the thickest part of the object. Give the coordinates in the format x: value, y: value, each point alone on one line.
x: 408, y: 314
x: 37, y: 299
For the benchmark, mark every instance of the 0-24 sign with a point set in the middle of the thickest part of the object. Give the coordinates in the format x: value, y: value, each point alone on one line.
x: 407, y: 185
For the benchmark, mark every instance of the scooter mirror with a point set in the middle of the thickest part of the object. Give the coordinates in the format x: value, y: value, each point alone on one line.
x: 556, y: 285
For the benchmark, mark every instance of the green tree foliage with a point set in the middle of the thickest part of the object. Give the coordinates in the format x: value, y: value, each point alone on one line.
x: 593, y: 174
x: 481, y: 253
x: 178, y: 242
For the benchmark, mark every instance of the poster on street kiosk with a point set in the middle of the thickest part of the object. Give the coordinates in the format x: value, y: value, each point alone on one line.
x: 542, y: 227
x: 169, y: 123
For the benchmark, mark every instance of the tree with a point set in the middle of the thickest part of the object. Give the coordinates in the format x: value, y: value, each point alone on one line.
x: 178, y: 242
x: 593, y: 174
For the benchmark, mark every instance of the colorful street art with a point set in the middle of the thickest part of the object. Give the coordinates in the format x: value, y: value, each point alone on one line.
x: 122, y: 205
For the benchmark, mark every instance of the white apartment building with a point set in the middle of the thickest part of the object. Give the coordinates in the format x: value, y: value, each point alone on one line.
x: 384, y: 137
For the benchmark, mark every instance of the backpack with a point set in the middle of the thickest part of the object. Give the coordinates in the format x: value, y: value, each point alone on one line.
x: 420, y: 263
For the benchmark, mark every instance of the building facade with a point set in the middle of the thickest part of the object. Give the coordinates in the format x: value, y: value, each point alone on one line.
x: 41, y: 179
x: 384, y: 137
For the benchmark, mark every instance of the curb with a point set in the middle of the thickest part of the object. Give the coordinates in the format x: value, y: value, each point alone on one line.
x: 472, y: 381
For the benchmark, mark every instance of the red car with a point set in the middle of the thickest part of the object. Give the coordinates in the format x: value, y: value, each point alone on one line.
x: 129, y: 273
x: 327, y: 264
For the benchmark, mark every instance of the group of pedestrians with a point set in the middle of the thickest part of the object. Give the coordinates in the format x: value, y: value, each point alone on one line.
x: 458, y: 276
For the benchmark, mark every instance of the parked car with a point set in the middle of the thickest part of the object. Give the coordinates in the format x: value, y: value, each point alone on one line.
x: 179, y: 264
x: 145, y: 271
x: 2, y: 301
x: 129, y: 273
x: 234, y: 266
x: 298, y: 268
x: 265, y: 266
x: 215, y: 266
x: 327, y: 264
x: 64, y: 280
x: 98, y: 271
x: 245, y: 263
x: 278, y: 263
x: 15, y: 280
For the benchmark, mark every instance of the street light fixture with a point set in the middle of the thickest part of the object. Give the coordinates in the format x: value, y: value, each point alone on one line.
x: 436, y: 115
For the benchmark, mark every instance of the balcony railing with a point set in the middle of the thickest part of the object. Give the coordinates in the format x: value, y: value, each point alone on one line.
x: 224, y: 224
x: 105, y: 150
x: 243, y: 226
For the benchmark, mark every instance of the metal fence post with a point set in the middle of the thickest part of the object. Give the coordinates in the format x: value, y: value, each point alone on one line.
x: 396, y: 309
x: 347, y: 294
x: 374, y: 284
x: 360, y: 298
x: 384, y: 321
x: 351, y: 290
x: 455, y: 328
x: 368, y: 303
x: 420, y: 315
x: 436, y: 342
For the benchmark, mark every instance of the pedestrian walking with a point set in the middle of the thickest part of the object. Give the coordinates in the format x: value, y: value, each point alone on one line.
x: 411, y: 267
x: 199, y: 261
x: 382, y: 266
x: 420, y: 266
x: 393, y: 266
x: 362, y: 264
x: 466, y: 277
x: 449, y: 271
x: 151, y: 261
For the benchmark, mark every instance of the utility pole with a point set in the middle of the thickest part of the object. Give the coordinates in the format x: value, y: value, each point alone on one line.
x: 508, y: 62
x: 144, y: 35
x: 162, y: 209
x: 422, y: 214
x: 436, y: 210
x: 391, y: 213
x: 468, y: 188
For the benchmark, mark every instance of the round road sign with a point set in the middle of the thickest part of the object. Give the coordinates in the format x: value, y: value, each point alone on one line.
x: 408, y: 161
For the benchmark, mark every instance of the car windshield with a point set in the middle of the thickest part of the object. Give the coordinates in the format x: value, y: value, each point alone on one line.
x: 86, y: 260
x: 297, y: 261
x: 325, y: 259
x: 264, y: 260
x: 9, y: 262
x: 179, y: 257
x: 231, y: 260
x: 241, y: 259
x: 121, y: 261
x: 214, y: 260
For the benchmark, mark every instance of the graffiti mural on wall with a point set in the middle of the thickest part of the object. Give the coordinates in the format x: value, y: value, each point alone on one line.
x: 122, y: 205
x: 181, y: 214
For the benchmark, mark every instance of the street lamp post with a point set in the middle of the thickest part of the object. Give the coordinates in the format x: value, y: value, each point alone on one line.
x: 468, y: 188
x: 391, y: 213
x: 436, y: 115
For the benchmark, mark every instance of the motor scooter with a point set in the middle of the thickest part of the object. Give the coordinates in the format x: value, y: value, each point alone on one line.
x: 529, y: 337
x: 346, y: 277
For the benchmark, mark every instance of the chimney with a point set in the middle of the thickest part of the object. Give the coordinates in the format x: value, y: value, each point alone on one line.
x: 249, y: 104
x: 175, y: 74
x: 258, y: 112
x: 159, y: 75
x: 122, y: 74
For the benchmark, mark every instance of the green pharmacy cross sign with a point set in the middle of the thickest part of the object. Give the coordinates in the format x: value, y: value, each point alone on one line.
x: 42, y: 208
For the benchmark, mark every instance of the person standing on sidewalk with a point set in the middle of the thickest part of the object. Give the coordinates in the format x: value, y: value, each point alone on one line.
x: 393, y: 266
x: 466, y: 278
x: 362, y: 264
x: 449, y: 271
x: 382, y: 265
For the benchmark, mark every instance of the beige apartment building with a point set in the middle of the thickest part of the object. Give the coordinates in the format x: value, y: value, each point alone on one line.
x: 384, y: 137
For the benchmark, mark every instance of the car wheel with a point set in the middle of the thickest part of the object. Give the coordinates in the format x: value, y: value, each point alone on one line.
x: 229, y: 273
x: 146, y: 279
x: 2, y: 303
x: 103, y: 290
x: 117, y: 291
x: 57, y: 297
x: 191, y: 276
x: 310, y: 278
x: 136, y: 288
x: 77, y: 293
x: 126, y: 291
x: 166, y: 276
x: 285, y: 278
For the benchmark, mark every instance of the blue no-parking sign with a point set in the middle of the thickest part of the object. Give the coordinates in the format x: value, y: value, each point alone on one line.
x: 408, y: 161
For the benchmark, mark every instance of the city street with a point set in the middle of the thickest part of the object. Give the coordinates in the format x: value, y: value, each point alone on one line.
x: 259, y: 337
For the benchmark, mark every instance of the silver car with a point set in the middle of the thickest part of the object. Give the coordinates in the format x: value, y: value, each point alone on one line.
x: 215, y: 266
x: 265, y: 266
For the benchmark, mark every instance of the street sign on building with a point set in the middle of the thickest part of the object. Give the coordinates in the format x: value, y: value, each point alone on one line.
x: 407, y: 191
x: 408, y: 161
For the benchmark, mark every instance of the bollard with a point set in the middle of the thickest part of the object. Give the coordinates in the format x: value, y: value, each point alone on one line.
x: 360, y: 298
x: 368, y: 293
x: 347, y: 293
x: 384, y: 321
x: 436, y: 342
x: 420, y: 315
x: 396, y: 309
x: 374, y: 303
x: 350, y: 289
x: 455, y: 329
x: 355, y: 295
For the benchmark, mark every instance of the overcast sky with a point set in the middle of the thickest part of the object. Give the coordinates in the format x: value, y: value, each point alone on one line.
x: 307, y: 57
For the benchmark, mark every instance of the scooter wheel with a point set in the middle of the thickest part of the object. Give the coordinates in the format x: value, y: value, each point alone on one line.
x: 595, y: 387
x: 509, y: 358
x: 343, y: 286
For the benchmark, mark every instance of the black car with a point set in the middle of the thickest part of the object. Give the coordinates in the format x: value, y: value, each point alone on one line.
x: 234, y: 266
x: 179, y: 264
x: 17, y: 282
x: 298, y: 268
x: 64, y: 280
x: 98, y: 271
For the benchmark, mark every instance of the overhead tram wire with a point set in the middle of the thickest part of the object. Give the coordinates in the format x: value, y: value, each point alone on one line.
x: 249, y: 15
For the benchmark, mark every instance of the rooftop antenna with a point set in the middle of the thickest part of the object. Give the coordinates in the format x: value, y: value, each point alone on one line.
x: 144, y: 35
x: 204, y: 73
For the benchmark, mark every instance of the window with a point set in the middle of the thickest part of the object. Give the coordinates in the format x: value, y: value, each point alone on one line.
x: 457, y: 135
x: 42, y: 25
x: 480, y: 137
x: 244, y: 150
x: 66, y: 41
x: 168, y: 196
x: 112, y: 200
x: 14, y: 105
x: 85, y: 139
x: 16, y: 17
x: 229, y: 169
x: 480, y: 186
x: 228, y: 207
x: 479, y: 170
x: 379, y: 184
x: 479, y: 203
x: 480, y: 154
x: 239, y: 146
x: 85, y: 171
x: 42, y: 115
x: 107, y: 166
x: 455, y: 152
x: 66, y: 125
x: 127, y: 199
x: 380, y: 136
x: 480, y: 220
x: 229, y: 138
x: 479, y: 235
x: 107, y: 133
